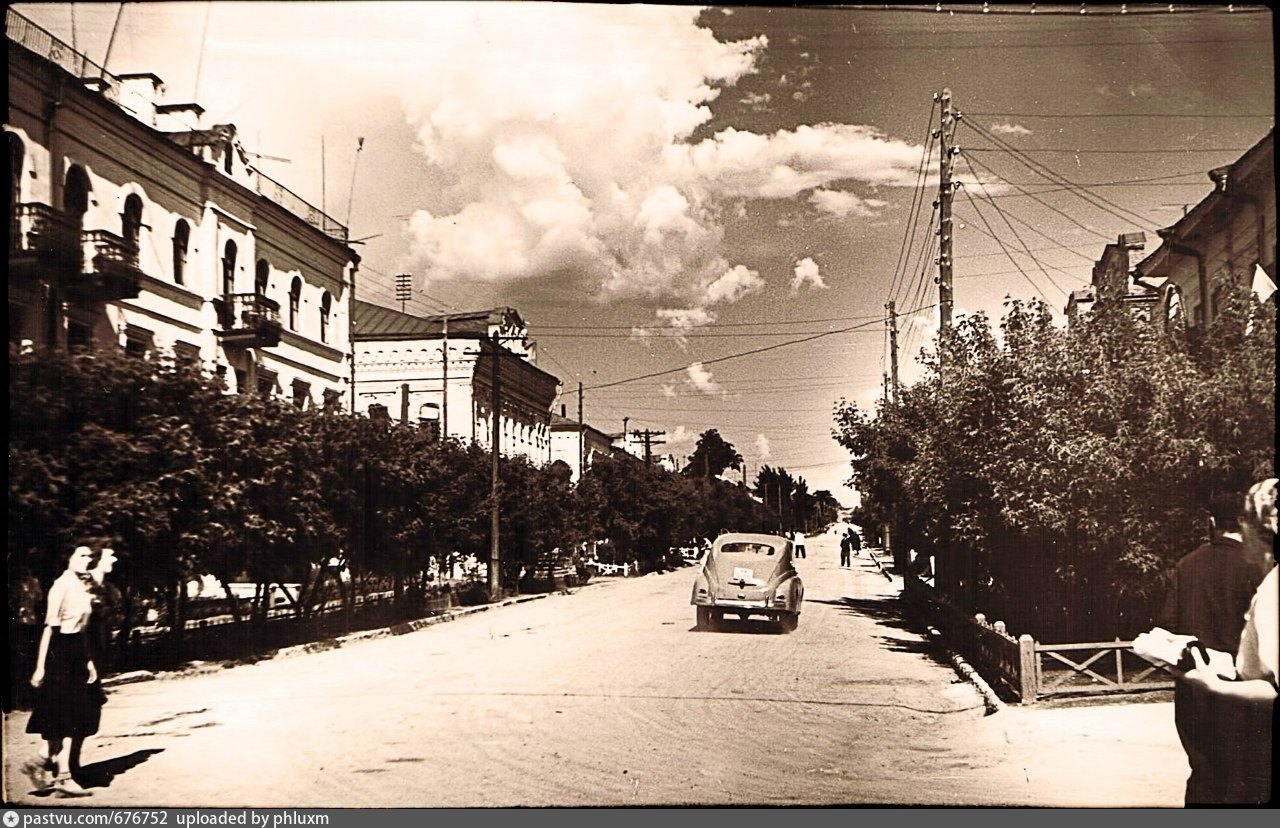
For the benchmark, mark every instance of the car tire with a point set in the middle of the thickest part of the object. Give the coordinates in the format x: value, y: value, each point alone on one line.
x: 789, y: 622
x: 706, y: 619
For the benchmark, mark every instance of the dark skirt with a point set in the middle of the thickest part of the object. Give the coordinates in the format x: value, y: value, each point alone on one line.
x: 66, y: 705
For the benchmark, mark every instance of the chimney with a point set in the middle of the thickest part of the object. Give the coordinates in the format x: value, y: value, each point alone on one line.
x: 139, y: 92
x: 183, y: 117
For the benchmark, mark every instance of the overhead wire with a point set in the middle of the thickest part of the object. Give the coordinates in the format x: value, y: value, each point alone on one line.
x: 917, y: 201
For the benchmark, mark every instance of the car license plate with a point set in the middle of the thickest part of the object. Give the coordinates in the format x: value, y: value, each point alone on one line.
x: 742, y: 573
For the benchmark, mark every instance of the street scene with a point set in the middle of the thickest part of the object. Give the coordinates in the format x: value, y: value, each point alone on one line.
x: 610, y: 697
x: 491, y: 404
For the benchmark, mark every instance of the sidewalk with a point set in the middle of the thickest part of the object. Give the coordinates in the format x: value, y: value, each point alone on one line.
x: 1122, y: 751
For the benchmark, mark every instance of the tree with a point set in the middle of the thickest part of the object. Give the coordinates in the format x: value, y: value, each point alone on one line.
x: 711, y: 456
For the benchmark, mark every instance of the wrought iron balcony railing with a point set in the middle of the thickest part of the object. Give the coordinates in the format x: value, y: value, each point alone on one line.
x: 39, y: 229
x: 248, y: 320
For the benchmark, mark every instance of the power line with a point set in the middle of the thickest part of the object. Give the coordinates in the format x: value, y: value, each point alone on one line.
x: 1035, y: 198
x: 917, y: 201
x: 1000, y: 241
x: 1072, y: 11
x: 1076, y: 115
x: 761, y: 350
x: 1057, y: 178
x: 711, y: 325
x: 1150, y: 151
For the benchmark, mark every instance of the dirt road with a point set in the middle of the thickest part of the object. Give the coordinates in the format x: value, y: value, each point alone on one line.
x: 610, y: 697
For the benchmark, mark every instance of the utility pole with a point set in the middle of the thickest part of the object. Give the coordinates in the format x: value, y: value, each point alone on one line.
x: 893, y: 345
x: 582, y: 437
x: 945, y: 191
x: 649, y: 443
x: 444, y: 387
x: 886, y: 387
x: 495, y: 484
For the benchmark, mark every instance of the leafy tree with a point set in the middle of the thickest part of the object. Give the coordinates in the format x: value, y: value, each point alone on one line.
x: 711, y: 456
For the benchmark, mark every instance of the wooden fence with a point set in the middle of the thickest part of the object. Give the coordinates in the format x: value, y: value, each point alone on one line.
x: 1028, y: 670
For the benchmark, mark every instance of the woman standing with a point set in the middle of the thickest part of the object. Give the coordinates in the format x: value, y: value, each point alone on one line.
x: 69, y: 696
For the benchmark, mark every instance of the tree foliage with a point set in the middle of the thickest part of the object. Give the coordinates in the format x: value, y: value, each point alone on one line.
x: 1056, y: 475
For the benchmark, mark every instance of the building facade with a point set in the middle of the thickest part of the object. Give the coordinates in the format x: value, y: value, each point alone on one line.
x: 132, y: 227
x: 439, y: 372
x: 1113, y: 280
x: 1224, y: 240
x: 573, y: 445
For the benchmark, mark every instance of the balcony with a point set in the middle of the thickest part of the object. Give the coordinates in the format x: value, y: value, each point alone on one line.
x: 248, y: 320
x: 111, y: 270
x: 88, y: 266
x: 42, y: 240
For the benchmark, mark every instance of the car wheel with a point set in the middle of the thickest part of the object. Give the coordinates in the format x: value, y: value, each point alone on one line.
x: 789, y: 622
x: 706, y: 619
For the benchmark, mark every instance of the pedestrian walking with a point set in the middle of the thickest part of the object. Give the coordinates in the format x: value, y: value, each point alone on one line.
x: 1211, y: 591
x: 1239, y: 713
x: 845, y: 548
x: 799, y: 545
x: 68, y: 692
x: 855, y: 541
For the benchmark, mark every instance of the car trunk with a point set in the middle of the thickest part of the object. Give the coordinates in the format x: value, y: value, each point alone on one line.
x: 746, y: 576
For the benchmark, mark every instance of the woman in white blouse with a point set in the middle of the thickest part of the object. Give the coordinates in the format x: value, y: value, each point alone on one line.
x: 69, y: 696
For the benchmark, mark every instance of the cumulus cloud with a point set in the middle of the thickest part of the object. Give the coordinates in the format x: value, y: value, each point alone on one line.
x: 555, y: 140
x: 1010, y: 129
x: 807, y: 272
x: 844, y: 204
x: 762, y: 446
x: 700, y: 379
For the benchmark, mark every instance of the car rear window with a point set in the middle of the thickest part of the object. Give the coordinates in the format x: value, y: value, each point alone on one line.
x: 748, y: 548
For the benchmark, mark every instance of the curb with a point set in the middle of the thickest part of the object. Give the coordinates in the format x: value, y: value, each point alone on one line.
x: 192, y: 668
x: 989, y: 697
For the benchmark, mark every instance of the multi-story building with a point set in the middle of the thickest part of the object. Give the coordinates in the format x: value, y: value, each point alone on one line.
x: 1224, y: 240
x: 131, y: 226
x: 1113, y: 280
x: 439, y: 372
x: 575, y: 445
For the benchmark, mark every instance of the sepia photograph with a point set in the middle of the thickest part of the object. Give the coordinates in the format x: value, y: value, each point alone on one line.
x: 486, y: 405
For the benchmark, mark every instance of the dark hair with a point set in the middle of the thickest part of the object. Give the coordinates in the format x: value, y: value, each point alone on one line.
x: 1224, y: 508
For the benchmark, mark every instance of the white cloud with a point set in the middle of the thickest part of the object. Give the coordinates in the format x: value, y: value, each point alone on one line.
x: 807, y: 272
x: 701, y: 380
x: 732, y: 285
x: 757, y: 102
x: 844, y: 204
x: 1010, y: 129
x: 762, y: 446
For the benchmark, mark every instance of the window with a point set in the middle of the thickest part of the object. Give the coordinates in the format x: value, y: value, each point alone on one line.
x: 16, y: 154
x: 79, y: 336
x: 181, y: 237
x: 266, y: 382
x: 301, y: 393
x: 138, y: 342
x: 326, y: 306
x: 75, y: 194
x: 261, y: 277
x: 185, y: 352
x: 295, y: 298
x: 227, y: 150
x: 131, y: 220
x: 229, y: 269
x: 331, y: 399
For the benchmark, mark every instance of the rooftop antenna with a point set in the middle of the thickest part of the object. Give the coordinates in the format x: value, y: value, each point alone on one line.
x: 111, y: 41
x: 204, y: 36
x: 75, y: 46
x: 404, y: 289
x: 352, y: 193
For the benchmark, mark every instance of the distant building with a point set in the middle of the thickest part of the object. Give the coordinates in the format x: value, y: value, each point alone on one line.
x: 1225, y: 239
x: 571, y: 443
x: 437, y: 372
x: 132, y: 227
x: 1113, y: 280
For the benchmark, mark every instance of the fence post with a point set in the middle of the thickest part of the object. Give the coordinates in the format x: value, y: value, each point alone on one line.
x: 1027, y: 664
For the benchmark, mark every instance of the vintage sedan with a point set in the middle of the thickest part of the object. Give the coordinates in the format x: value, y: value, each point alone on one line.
x: 748, y: 574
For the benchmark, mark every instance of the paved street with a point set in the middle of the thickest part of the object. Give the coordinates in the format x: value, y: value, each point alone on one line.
x: 609, y: 697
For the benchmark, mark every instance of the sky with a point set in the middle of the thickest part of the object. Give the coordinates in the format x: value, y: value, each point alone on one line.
x: 701, y: 213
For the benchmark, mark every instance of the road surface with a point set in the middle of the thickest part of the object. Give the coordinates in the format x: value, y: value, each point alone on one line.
x: 610, y: 696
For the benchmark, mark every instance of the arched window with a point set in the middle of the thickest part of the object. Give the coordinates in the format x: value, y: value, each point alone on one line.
x: 75, y: 194
x: 227, y: 157
x: 261, y: 277
x: 326, y: 307
x: 131, y: 220
x: 181, y: 237
x: 229, y: 269
x: 17, y: 152
x: 295, y: 298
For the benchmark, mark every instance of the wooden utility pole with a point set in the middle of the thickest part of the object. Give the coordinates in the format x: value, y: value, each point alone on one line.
x: 582, y: 437
x: 945, y: 191
x: 649, y: 443
x: 444, y: 387
x: 893, y: 345
x: 495, y: 483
